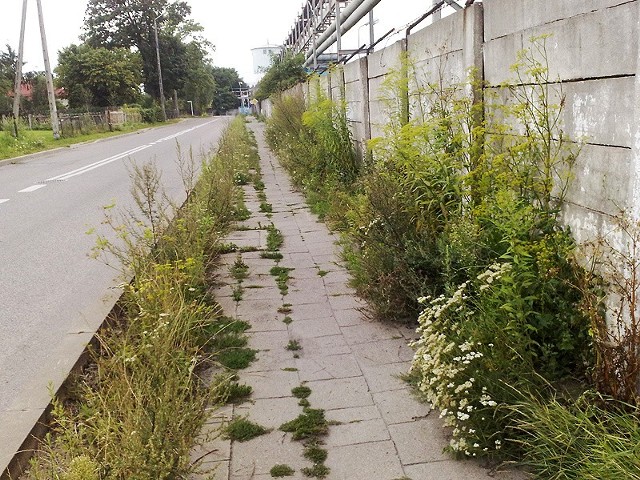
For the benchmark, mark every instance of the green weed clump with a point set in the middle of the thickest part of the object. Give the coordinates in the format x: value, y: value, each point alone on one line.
x: 272, y: 255
x: 139, y: 406
x: 293, y: 345
x: 282, y: 278
x: 301, y: 392
x: 281, y: 470
x: 243, y: 430
x: 309, y: 424
x: 275, y: 239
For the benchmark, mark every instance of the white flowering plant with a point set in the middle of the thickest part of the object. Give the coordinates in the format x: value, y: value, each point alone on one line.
x: 455, y: 364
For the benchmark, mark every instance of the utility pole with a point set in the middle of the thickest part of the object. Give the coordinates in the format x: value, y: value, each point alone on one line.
x: 155, y: 29
x: 17, y: 86
x: 55, y: 124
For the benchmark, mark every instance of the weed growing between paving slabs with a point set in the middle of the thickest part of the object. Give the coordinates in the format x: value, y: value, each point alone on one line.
x: 282, y: 278
x: 310, y: 426
x: 281, y: 470
x: 285, y: 308
x: 275, y: 239
x: 242, y: 430
x: 139, y: 406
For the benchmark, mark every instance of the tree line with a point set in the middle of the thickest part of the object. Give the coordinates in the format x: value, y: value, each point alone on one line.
x: 116, y: 64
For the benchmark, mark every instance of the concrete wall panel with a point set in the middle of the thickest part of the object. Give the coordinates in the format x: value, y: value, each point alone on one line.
x: 579, y: 47
x: 379, y: 107
x: 446, y: 35
x: 597, y: 111
x: 352, y: 71
x: 383, y: 61
x: 504, y: 17
x: 337, y: 84
x: 602, y: 180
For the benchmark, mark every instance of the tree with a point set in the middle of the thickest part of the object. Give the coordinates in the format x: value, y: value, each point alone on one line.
x: 99, y: 77
x: 127, y: 24
x: 224, y: 99
x: 8, y: 63
x: 38, y: 100
x: 199, y: 84
x: 284, y: 73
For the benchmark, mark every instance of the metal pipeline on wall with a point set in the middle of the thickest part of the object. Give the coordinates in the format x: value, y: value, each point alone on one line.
x: 351, y: 15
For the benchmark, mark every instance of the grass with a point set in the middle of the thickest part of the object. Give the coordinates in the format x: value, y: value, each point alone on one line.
x: 239, y: 270
x: 309, y: 424
x: 236, y: 358
x: 282, y: 278
x: 287, y: 320
x: 281, y: 471
x: 275, y: 239
x: 33, y: 141
x: 271, y: 255
x: 238, y: 393
x: 318, y: 470
x: 227, y: 325
x: 289, y: 369
x: 241, y: 430
x: 314, y: 453
x: 231, y: 392
x: 237, y: 292
x: 227, y: 248
x: 301, y: 392
x: 591, y: 438
x: 285, y: 308
x: 293, y: 346
x: 266, y: 207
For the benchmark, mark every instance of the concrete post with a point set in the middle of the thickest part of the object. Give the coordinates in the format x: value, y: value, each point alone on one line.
x: 473, y: 61
x: 18, y: 80
x: 364, y: 86
x: 55, y: 124
x: 635, y: 147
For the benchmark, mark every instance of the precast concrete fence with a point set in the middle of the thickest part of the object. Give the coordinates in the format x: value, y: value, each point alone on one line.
x: 592, y: 55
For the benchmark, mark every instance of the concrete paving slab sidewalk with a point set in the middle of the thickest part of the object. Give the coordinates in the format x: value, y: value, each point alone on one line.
x: 378, y: 430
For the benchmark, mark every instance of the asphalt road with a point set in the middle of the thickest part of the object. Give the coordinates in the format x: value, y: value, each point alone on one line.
x: 53, y: 297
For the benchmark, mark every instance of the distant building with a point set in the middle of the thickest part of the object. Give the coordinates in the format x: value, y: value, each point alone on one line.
x: 262, y: 57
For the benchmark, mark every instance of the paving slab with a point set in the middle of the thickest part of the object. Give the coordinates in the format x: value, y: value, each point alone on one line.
x: 365, y: 461
x: 340, y: 393
x: 328, y: 368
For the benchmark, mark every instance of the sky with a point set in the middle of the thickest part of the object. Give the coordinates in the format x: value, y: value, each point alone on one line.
x: 233, y: 27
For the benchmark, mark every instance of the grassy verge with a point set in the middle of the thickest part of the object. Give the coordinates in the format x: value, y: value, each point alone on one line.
x: 34, y: 141
x: 137, y: 408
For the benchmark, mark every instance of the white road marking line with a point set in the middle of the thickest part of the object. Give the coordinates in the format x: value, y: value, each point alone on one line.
x: 32, y: 188
x: 106, y: 161
x: 4, y: 200
x: 94, y: 165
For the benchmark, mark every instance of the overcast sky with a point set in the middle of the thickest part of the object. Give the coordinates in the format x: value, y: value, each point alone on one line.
x: 233, y: 27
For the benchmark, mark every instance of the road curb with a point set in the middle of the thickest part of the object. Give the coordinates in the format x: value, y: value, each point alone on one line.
x: 20, y: 461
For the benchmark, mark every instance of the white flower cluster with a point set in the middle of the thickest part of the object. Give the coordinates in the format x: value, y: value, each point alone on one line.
x: 447, y: 364
x: 493, y: 273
